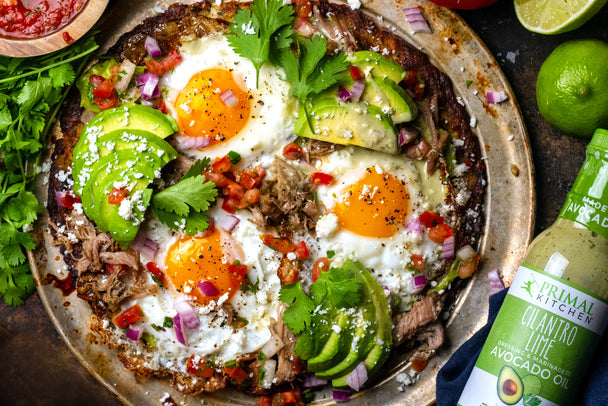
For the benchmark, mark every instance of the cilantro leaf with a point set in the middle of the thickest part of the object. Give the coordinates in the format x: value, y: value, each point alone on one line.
x: 180, y: 206
x: 339, y: 286
x: 298, y: 315
x: 531, y: 400
x: 198, y: 167
x: 255, y: 30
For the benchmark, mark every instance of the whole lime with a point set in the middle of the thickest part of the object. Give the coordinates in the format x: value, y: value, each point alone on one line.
x: 572, y: 87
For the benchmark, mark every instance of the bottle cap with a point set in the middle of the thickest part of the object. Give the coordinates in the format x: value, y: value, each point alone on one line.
x: 600, y: 139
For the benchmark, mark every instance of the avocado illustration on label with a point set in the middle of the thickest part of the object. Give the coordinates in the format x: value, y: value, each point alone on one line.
x: 510, y: 387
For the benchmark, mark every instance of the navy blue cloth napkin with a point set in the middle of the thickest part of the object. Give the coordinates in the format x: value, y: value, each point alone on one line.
x: 454, y: 374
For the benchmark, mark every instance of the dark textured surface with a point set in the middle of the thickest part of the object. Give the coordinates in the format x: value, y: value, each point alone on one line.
x: 37, y: 368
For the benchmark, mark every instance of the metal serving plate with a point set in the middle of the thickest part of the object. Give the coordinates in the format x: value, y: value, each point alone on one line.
x: 454, y: 48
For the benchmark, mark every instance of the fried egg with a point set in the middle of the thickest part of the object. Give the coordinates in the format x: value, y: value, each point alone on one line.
x: 260, y: 121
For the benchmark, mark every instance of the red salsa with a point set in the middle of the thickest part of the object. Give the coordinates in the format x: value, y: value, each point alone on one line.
x: 36, y: 18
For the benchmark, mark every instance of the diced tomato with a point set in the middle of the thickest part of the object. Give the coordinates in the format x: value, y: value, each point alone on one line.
x: 103, y: 89
x: 250, y: 197
x: 289, y: 398
x: 247, y: 181
x: 161, y: 67
x: 198, y: 366
x: 417, y: 261
x: 236, y: 373
x: 263, y: 401
x: 114, y: 268
x: 96, y: 80
x: 219, y: 179
x: 155, y: 270
x: 162, y: 107
x: 238, y: 272
x: 260, y: 173
x: 290, y: 274
x: 229, y: 204
x: 320, y: 265
x: 221, y: 165
x: 440, y: 232
x: 292, y: 151
x: 105, y: 104
x: 303, y: 8
x: 320, y: 178
x: 117, y: 195
x: 132, y: 315
x: 355, y: 72
x: 68, y: 200
x: 281, y: 245
x: 430, y: 219
x: 233, y: 189
x: 301, y: 250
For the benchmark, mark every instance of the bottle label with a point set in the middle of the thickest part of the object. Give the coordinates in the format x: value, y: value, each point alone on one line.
x: 540, y: 344
x: 585, y: 204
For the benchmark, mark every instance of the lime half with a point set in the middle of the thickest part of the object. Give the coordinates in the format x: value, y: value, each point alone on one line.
x: 555, y: 16
x: 532, y: 385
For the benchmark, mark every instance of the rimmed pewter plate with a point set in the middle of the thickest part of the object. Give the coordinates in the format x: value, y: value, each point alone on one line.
x: 509, y: 218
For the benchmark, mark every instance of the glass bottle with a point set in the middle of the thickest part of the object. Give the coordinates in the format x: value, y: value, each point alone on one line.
x: 556, y: 310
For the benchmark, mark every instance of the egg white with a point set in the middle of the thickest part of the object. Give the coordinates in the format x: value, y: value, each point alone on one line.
x: 271, y: 120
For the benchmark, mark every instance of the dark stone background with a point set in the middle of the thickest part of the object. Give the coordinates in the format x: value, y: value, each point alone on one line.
x: 37, y: 368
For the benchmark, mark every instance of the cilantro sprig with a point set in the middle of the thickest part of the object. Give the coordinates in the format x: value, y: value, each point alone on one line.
x: 182, y: 206
x: 337, y: 288
x: 31, y: 92
x: 262, y: 31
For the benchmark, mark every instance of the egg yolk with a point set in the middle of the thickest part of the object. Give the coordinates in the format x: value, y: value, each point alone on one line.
x: 375, y: 206
x: 201, y: 111
x: 193, y: 259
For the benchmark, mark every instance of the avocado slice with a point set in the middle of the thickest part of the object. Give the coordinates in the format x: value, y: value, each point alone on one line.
x: 384, y: 93
x: 137, y: 140
x: 362, y: 343
x: 348, y: 124
x: 509, y: 387
x: 377, y: 65
x: 335, y: 345
x: 130, y: 116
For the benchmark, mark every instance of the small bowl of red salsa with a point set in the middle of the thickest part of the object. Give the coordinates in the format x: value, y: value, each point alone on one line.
x: 36, y: 27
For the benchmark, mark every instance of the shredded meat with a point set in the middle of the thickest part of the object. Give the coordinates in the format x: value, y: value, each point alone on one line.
x: 315, y: 149
x: 286, y: 198
x: 286, y: 370
x: 422, y: 313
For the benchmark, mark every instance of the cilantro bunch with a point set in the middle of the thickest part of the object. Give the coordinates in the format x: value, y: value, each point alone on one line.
x: 265, y: 33
x: 31, y: 92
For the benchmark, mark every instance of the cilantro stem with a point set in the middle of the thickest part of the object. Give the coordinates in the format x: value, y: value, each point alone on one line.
x: 53, y: 65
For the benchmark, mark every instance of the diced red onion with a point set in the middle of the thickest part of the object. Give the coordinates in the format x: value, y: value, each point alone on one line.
x: 415, y: 227
x: 340, y: 395
x: 152, y: 47
x: 357, y: 378
x: 180, y: 329
x: 356, y: 90
x: 343, y: 94
x: 311, y: 381
x: 272, y: 346
x: 304, y: 28
x: 127, y: 69
x: 148, y: 85
x: 496, y: 97
x: 228, y: 98
x: 207, y: 288
x: 187, y: 314
x: 407, y: 135
x: 418, y: 283
x: 135, y: 331
x: 186, y: 142
x: 447, y: 250
x: 496, y: 284
x: 145, y: 246
x: 417, y: 151
x: 387, y: 291
x: 417, y: 20
x: 466, y: 253
x: 147, y: 103
x: 60, y: 195
x: 227, y: 222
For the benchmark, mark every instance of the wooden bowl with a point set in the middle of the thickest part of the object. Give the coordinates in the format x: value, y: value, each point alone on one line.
x: 75, y: 29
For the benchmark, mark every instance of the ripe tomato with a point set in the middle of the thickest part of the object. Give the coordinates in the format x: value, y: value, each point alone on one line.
x: 199, y: 366
x: 440, y: 232
x: 320, y: 265
x: 132, y: 315
x: 464, y: 4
